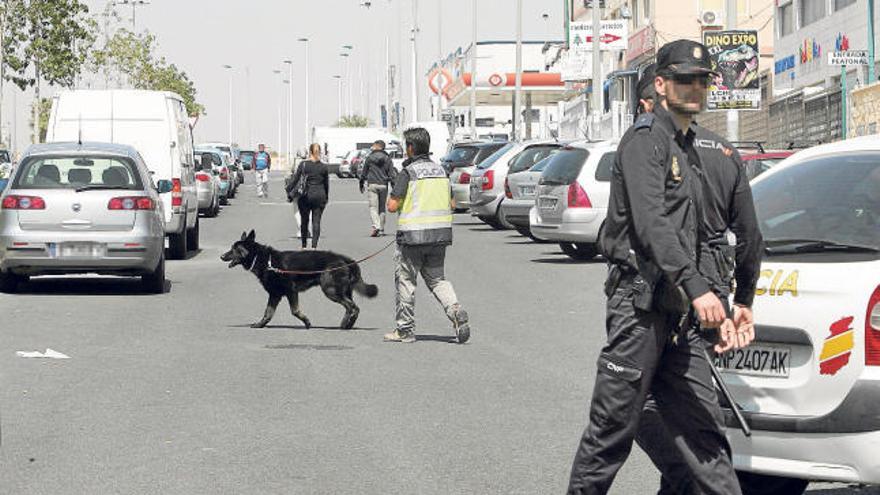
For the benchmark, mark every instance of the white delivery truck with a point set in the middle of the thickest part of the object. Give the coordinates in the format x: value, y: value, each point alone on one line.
x: 153, y: 122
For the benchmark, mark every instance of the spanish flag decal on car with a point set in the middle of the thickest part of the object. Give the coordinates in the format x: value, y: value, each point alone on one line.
x: 838, y: 347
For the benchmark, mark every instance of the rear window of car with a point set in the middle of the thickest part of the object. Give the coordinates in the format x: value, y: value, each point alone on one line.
x: 564, y: 167
x: 758, y: 166
x: 67, y: 172
x: 491, y: 159
x: 831, y: 198
x: 540, y: 166
x: 461, y: 154
x: 247, y: 156
x: 606, y: 164
x: 486, y: 151
x: 530, y: 156
x: 217, y: 158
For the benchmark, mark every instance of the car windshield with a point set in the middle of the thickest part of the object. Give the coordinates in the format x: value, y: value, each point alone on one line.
x: 461, y: 154
x: 491, y: 159
x: 247, y: 156
x: 564, y: 167
x: 76, y: 172
x: 530, y: 156
x: 758, y: 166
x: 834, y: 199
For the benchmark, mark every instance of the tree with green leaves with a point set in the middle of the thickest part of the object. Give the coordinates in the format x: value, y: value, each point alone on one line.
x: 44, y: 41
x: 353, y: 121
x: 131, y: 57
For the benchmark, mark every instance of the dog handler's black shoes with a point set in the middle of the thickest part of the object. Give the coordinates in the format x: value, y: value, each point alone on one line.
x: 398, y: 336
x: 460, y: 322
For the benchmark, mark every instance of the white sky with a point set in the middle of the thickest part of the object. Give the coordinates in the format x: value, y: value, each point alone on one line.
x: 200, y: 36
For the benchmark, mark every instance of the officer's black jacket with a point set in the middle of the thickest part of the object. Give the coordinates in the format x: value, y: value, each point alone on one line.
x: 728, y: 204
x: 655, y: 195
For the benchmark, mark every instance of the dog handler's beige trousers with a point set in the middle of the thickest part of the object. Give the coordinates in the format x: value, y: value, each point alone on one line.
x: 428, y: 260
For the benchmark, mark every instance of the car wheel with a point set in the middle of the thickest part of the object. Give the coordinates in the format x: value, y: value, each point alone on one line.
x: 232, y: 193
x: 177, y: 244
x: 9, y: 282
x: 154, y: 282
x: 502, y: 219
x: 765, y: 484
x: 525, y: 232
x: 224, y: 200
x: 216, y: 208
x: 491, y: 222
x: 192, y: 237
x: 578, y: 251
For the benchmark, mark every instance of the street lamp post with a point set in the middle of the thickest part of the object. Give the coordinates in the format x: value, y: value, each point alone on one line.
x: 517, y: 92
x: 473, y: 113
x: 280, y: 98
x: 134, y: 5
x: 338, y: 97
x: 229, y: 68
x: 308, y: 102
x: 289, y: 111
x: 347, y: 76
x: 415, y: 61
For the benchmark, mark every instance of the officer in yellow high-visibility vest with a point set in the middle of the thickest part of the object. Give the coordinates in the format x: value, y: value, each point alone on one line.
x: 423, y: 198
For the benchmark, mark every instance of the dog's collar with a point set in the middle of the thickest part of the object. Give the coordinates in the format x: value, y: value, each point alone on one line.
x: 253, y: 263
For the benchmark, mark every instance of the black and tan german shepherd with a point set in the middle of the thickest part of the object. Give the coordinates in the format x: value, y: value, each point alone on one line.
x: 339, y: 277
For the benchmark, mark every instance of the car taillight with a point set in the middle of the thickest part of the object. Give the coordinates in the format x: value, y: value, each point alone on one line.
x: 131, y: 203
x: 488, y: 180
x: 872, y: 330
x: 176, y: 193
x: 507, y: 193
x: 15, y: 202
x: 577, y: 197
x: 203, y: 177
x: 464, y: 178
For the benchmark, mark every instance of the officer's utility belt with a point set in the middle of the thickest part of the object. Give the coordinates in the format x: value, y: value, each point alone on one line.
x: 724, y: 256
x: 651, y: 291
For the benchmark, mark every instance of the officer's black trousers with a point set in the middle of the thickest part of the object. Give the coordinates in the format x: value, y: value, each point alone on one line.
x: 640, y: 357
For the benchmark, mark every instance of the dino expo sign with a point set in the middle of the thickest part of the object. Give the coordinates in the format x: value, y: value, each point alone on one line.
x: 734, y: 57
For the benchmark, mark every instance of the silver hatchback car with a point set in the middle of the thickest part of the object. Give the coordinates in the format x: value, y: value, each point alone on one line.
x: 522, y: 182
x: 82, y: 208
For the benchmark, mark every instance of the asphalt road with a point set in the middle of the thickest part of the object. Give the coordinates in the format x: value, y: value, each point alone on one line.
x: 175, y: 394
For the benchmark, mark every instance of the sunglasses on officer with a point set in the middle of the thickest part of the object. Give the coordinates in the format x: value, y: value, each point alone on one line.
x: 689, y: 79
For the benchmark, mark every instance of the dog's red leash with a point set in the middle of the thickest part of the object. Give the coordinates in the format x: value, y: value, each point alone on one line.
x: 340, y: 267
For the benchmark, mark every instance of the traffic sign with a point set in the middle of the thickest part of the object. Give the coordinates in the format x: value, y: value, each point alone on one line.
x: 613, y: 36
x: 849, y: 57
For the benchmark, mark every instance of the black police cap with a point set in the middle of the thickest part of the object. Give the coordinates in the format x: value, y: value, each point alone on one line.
x: 645, y: 84
x: 684, y: 57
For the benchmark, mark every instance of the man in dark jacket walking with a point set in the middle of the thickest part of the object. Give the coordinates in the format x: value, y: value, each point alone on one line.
x: 378, y: 172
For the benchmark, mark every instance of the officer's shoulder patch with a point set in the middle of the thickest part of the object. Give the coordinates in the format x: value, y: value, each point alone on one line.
x: 645, y: 121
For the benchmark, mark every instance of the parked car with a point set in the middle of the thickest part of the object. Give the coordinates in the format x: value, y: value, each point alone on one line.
x: 810, y: 383
x: 347, y: 167
x: 358, y: 161
x: 487, y: 186
x: 82, y: 208
x: 5, y: 168
x: 758, y: 163
x: 221, y: 167
x: 572, y: 197
x: 155, y: 123
x: 230, y: 154
x: 460, y: 163
x: 207, y: 187
x: 247, y: 159
x: 519, y: 191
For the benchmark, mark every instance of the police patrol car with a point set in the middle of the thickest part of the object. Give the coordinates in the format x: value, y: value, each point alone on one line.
x: 810, y: 384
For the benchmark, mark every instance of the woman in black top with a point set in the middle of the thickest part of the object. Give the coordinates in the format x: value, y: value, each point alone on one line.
x: 312, y: 203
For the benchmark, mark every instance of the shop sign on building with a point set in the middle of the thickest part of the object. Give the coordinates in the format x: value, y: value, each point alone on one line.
x: 734, y: 57
x: 849, y: 57
x: 613, y: 36
x: 640, y: 43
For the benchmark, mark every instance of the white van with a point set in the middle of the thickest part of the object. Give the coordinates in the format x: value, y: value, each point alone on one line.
x: 153, y: 122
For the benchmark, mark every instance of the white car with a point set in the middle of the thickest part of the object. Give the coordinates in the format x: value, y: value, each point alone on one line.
x: 571, y: 201
x: 810, y: 383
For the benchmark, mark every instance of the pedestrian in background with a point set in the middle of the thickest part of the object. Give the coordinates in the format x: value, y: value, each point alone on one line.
x: 651, y: 239
x: 315, y: 196
x: 262, y: 165
x: 378, y: 172
x: 423, y: 197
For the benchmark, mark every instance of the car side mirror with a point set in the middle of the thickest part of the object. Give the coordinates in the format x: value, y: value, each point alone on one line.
x: 164, y: 186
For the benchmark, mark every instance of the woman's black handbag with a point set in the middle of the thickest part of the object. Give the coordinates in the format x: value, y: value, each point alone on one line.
x: 295, y: 190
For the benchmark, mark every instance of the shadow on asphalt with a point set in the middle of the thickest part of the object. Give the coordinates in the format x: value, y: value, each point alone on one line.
x: 85, y: 286
x: 849, y: 490
x: 565, y: 260
x: 436, y: 338
x: 485, y: 229
x: 301, y: 327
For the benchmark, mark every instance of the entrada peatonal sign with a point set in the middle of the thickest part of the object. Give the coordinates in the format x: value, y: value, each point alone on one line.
x: 849, y: 57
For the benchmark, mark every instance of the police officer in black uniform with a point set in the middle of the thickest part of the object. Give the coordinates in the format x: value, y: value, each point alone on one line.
x: 728, y: 208
x: 652, y: 239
